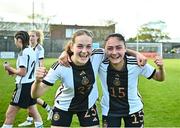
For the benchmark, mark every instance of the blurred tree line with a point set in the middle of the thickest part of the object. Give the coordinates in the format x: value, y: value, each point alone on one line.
x: 151, y: 32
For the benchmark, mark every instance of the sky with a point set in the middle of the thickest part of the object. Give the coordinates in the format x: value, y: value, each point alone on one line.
x: 128, y: 14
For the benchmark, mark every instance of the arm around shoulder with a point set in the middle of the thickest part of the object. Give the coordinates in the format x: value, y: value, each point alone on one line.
x: 141, y: 59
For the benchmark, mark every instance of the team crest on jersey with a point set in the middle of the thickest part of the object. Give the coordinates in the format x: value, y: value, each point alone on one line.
x: 116, y: 82
x: 84, y: 80
x: 56, y: 116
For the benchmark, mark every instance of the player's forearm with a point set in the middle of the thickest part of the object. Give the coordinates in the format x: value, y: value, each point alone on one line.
x: 132, y: 52
x: 160, y: 74
x: 38, y: 89
x: 35, y: 89
x: 19, y: 71
x: 12, y: 70
x: 141, y: 59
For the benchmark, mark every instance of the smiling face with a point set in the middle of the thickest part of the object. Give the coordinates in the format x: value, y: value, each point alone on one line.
x: 82, y: 49
x: 115, y: 49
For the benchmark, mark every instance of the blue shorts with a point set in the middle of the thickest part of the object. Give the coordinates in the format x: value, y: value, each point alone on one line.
x: 64, y: 118
x: 133, y: 120
x: 22, y: 96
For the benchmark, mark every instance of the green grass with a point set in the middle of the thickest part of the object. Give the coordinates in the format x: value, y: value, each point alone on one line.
x: 161, y: 99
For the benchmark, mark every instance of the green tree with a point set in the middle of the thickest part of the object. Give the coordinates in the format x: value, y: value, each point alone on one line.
x: 151, y: 32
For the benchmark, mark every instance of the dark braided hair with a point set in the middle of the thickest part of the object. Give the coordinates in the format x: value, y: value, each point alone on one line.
x: 24, y: 36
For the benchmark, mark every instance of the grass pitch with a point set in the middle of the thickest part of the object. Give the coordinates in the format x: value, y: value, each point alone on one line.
x: 161, y: 99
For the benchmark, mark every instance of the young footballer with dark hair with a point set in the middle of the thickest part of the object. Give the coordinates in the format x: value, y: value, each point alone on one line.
x: 119, y: 75
x: 24, y: 72
x: 36, y: 41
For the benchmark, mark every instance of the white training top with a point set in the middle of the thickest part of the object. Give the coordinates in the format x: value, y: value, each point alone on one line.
x: 27, y: 59
x: 39, y: 53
